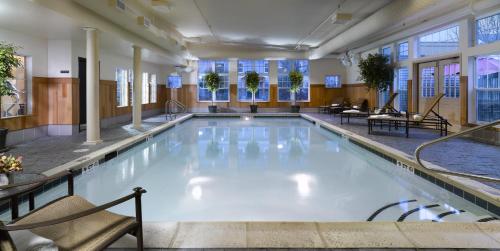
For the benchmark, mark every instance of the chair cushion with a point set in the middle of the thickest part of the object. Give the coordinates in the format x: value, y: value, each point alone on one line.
x: 417, y: 117
x: 351, y: 111
x: 335, y: 105
x: 92, y: 232
x: 379, y: 116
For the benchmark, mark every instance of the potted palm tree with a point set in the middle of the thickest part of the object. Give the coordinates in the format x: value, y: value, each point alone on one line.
x: 8, y: 62
x: 376, y: 72
x: 252, y: 80
x: 212, y: 80
x: 296, y: 78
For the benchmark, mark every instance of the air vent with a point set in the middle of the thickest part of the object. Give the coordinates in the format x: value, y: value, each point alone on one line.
x: 144, y: 21
x: 341, y: 18
x: 118, y: 4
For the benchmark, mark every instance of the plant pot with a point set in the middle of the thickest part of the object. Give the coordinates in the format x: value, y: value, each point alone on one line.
x: 253, y: 108
x: 295, y: 108
x: 4, y: 179
x: 3, y: 139
x: 212, y: 108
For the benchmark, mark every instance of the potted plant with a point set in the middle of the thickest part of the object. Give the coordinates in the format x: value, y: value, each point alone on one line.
x: 8, y: 165
x: 252, y: 80
x: 8, y: 62
x: 212, y: 82
x: 296, y: 78
x: 376, y: 72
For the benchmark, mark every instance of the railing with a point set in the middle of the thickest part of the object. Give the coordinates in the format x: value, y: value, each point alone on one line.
x: 466, y: 175
x: 170, y: 115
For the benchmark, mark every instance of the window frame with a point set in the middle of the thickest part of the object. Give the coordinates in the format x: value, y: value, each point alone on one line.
x: 399, y: 89
x: 264, y: 84
x: 153, y: 89
x: 399, y: 50
x: 123, y: 90
x: 306, y: 79
x: 339, y: 81
x: 145, y: 88
x: 476, y: 19
x: 172, y: 76
x: 476, y: 88
x: 437, y: 30
x: 27, y: 90
x: 222, y: 75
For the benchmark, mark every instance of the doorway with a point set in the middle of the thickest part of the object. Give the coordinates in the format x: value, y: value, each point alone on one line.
x: 437, y: 77
x: 82, y: 75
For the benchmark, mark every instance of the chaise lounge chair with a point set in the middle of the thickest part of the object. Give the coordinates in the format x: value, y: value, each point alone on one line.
x: 365, y: 112
x: 72, y: 223
x: 428, y: 118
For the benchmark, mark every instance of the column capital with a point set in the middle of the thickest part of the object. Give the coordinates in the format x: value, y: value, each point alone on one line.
x: 88, y: 28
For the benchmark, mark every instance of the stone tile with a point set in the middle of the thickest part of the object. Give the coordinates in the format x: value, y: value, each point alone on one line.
x: 156, y: 235
x: 210, y: 235
x: 446, y: 235
x: 492, y: 229
x: 283, y: 235
x: 363, y: 235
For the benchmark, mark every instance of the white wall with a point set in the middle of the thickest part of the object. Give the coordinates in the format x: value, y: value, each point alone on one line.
x: 33, y: 47
x: 59, y: 58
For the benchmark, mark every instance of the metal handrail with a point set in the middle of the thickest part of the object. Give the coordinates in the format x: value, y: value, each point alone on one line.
x: 466, y: 175
x: 168, y: 111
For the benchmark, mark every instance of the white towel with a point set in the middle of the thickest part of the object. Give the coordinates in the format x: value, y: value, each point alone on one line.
x: 351, y: 111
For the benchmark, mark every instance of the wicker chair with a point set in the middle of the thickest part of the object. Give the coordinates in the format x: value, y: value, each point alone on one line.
x: 73, y: 223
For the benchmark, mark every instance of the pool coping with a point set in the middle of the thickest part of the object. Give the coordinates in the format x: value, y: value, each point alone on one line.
x: 311, y: 234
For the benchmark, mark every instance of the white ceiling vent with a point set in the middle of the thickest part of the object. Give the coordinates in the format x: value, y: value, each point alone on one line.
x: 144, y: 21
x: 160, y: 5
x: 341, y: 18
x: 118, y: 4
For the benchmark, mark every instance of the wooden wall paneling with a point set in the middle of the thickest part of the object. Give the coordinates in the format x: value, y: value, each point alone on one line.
x: 410, y: 95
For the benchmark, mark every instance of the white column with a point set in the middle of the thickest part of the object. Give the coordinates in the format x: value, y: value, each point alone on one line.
x: 92, y: 53
x: 137, y: 85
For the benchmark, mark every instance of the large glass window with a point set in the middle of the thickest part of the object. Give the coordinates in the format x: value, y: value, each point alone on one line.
x: 438, y: 42
x: 386, y: 51
x: 145, y: 88
x: 332, y: 81
x: 284, y: 68
x: 403, y: 51
x: 154, y: 89
x: 16, y: 105
x: 428, y: 82
x: 488, y: 88
x: 174, y: 81
x: 261, y: 67
x: 488, y: 29
x: 452, y: 80
x: 121, y: 87
x: 222, y: 68
x: 383, y: 97
x: 403, y: 88
x: 131, y: 84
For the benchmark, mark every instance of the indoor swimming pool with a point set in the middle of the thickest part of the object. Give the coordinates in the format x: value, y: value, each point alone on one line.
x: 265, y: 169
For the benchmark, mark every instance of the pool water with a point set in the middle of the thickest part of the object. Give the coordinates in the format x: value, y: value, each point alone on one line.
x: 265, y: 169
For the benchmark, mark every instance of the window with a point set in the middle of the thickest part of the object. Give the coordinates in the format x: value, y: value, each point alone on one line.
x: 488, y: 29
x: 121, y: 87
x: 452, y: 80
x: 174, y: 81
x: 332, y: 81
x: 222, y: 68
x: 145, y: 88
x: 261, y: 67
x: 386, y: 51
x: 383, y: 97
x: 154, y: 89
x: 131, y: 89
x: 438, y: 42
x: 402, y: 76
x: 488, y: 88
x: 403, y: 51
x: 16, y: 105
x: 428, y: 82
x: 284, y: 67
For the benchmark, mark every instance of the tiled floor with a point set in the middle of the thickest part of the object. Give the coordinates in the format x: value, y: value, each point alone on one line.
x: 461, y: 154
x: 47, y: 152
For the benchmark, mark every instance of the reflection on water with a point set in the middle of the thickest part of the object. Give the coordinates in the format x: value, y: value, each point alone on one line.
x: 259, y: 169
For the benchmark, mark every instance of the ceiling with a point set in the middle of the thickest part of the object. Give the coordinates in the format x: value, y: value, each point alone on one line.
x: 279, y: 23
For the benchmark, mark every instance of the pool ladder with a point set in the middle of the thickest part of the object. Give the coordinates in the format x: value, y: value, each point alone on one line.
x: 169, y: 105
x: 459, y: 174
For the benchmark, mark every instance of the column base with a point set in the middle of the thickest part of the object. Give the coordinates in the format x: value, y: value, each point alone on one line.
x: 139, y: 128
x: 92, y: 142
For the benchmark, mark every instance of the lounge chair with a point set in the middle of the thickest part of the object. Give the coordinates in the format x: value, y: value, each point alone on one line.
x: 338, y: 105
x: 72, y: 223
x: 428, y: 118
x: 364, y: 112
